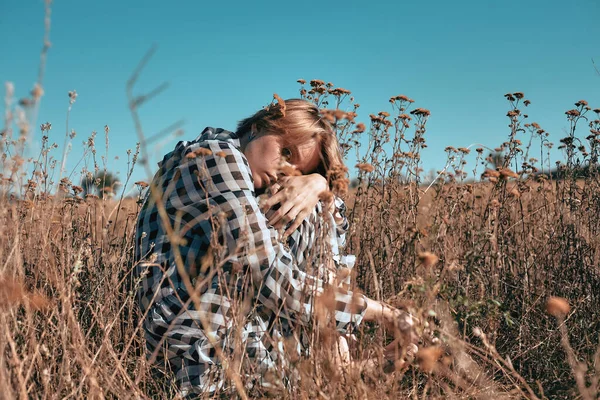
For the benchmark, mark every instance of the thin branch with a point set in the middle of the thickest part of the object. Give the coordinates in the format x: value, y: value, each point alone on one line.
x: 138, y: 70
x: 141, y: 99
x: 163, y: 132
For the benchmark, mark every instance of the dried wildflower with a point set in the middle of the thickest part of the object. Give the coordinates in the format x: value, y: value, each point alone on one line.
x: 557, y: 307
x: 510, y: 97
x: 383, y: 114
x: 328, y: 115
x: 72, y: 96
x: 515, y: 193
x: 428, y: 358
x: 402, y: 97
x: 513, y: 113
x: 567, y: 140
x: 573, y: 113
x: 25, y: 102
x: 428, y: 259
x: 494, y: 203
x: 527, y: 102
x: 506, y: 173
x: 301, y: 81
x: 464, y: 150
x: 326, y: 197
x: 339, y: 114
x: 281, y: 104
x: 421, y: 112
x: 365, y: 167
x: 76, y: 189
x: 316, y: 83
x: 360, y: 128
x: 490, y: 173
x: 581, y: 103
x: 479, y: 150
x: 13, y: 292
x: 37, y: 92
x: 201, y: 151
x: 519, y: 95
x: 141, y: 184
x: 339, y: 92
x: 596, y: 110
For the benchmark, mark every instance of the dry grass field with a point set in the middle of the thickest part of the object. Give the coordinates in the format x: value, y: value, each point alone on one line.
x: 500, y: 267
x: 497, y: 257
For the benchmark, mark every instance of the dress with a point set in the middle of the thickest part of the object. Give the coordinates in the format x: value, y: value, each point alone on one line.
x: 234, y: 260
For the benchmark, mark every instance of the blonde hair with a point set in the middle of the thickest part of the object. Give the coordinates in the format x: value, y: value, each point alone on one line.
x: 298, y: 122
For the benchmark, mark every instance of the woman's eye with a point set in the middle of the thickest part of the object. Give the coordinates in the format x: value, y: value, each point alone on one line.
x: 286, y: 154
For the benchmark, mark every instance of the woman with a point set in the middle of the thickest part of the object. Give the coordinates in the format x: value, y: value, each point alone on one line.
x: 219, y: 285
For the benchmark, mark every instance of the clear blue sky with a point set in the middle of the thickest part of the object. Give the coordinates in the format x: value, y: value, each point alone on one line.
x: 225, y: 59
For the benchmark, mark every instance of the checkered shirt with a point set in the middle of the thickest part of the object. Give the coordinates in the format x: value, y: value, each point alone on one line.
x: 230, y: 253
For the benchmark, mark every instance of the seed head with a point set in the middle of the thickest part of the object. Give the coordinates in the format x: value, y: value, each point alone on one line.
x: 37, y: 92
x: 421, y: 112
x: 428, y: 358
x: 360, y: 128
x: 428, y: 259
x: 490, y: 173
x: 365, y: 167
x: 72, y: 96
x: 281, y: 104
x: 557, y: 307
x: 506, y: 173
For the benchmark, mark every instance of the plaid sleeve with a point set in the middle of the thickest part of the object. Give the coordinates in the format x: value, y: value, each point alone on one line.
x: 341, y: 227
x: 225, y: 178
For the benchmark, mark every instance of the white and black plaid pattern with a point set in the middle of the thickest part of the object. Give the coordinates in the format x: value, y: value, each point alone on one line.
x: 211, y: 203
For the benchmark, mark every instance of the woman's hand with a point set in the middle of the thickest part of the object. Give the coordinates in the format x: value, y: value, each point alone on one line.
x: 392, y: 318
x: 401, y: 323
x: 297, y: 196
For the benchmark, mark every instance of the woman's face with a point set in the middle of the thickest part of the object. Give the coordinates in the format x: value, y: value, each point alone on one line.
x: 266, y: 153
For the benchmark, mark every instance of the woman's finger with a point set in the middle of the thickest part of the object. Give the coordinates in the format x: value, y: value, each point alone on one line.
x: 276, y: 198
x: 299, y: 217
x: 281, y: 215
x: 273, y: 189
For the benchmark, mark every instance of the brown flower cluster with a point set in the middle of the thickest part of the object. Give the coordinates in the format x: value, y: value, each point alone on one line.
x: 421, y: 112
x: 401, y: 98
x: 198, y: 153
x: 365, y: 167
